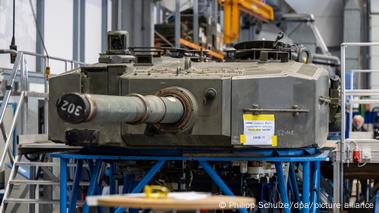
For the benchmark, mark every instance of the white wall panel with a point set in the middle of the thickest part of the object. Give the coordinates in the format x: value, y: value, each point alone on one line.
x: 93, y: 31
x: 25, y: 30
x: 58, y: 31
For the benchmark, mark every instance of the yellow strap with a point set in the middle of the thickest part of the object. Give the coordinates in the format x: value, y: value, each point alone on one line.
x: 274, y: 141
x: 260, y: 117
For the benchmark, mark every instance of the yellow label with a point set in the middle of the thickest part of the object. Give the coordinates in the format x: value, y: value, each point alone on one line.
x: 243, y: 139
x: 258, y: 130
x: 259, y: 117
x: 274, y: 140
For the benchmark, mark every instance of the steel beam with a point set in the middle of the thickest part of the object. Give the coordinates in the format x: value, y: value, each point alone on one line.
x: 218, y: 181
x: 79, y: 30
x: 75, y: 187
x: 63, y: 185
x: 177, y: 24
x: 40, y: 7
x: 282, y: 187
x: 93, y: 182
x: 195, y: 22
x: 306, y: 187
x: 104, y: 25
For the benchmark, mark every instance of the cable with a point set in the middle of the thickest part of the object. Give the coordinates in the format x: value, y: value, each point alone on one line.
x: 14, y: 23
x: 39, y: 32
x: 13, y: 45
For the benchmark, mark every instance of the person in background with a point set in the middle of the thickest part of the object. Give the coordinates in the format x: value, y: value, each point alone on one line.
x: 358, y: 122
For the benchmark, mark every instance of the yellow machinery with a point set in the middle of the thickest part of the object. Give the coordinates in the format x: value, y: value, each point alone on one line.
x: 213, y: 53
x: 232, y: 10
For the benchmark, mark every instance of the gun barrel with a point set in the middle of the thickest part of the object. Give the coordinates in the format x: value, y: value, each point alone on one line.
x: 135, y: 108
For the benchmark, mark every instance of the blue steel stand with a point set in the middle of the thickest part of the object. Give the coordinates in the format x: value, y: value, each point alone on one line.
x: 309, y: 159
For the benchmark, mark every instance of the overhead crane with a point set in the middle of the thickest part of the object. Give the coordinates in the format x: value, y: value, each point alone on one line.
x: 232, y: 9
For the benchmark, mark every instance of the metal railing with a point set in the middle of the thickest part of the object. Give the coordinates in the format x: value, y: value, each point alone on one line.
x: 19, y: 63
x: 20, y: 68
x: 343, y: 147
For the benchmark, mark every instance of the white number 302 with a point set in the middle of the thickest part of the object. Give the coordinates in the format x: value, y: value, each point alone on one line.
x: 71, y: 108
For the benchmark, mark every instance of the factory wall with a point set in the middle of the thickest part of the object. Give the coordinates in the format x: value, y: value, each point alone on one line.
x: 25, y: 29
x: 328, y: 17
x: 58, y: 30
x: 374, y: 36
x: 58, y: 37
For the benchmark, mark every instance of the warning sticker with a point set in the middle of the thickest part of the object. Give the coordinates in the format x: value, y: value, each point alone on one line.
x: 259, y: 130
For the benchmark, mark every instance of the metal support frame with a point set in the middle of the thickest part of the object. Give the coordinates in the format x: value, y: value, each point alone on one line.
x: 79, y: 30
x: 104, y: 25
x: 293, y: 181
x: 196, y: 21
x: 306, y: 183
x: 41, y: 26
x: 377, y: 202
x: 308, y: 157
x: 92, y: 184
x: 20, y: 73
x: 341, y: 157
x: 177, y: 24
x: 75, y: 187
x: 218, y: 181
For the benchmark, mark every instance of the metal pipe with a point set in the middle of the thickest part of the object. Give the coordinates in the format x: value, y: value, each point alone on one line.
x: 314, y: 185
x: 218, y: 181
x: 177, y: 24
x: 9, y: 87
x: 12, y: 175
x: 282, y: 187
x: 377, y: 201
x: 195, y: 22
x: 63, y: 185
x: 7, y: 143
x: 135, y: 108
x: 306, y: 186
x: 75, y: 186
x: 368, y: 70
x: 338, y: 190
x: 293, y: 179
x: 25, y: 88
x: 95, y: 173
x: 7, y: 51
x: 364, y: 101
x: 362, y: 92
x: 334, y: 59
x: 53, y: 58
x: 362, y: 44
x: 351, y: 106
x: 145, y: 180
x: 46, y: 103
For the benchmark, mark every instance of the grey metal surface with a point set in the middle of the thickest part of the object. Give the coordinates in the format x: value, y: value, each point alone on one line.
x: 93, y: 82
x: 218, y: 121
x: 289, y: 90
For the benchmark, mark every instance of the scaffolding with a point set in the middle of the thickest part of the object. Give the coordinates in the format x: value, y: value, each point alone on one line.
x: 20, y: 69
x: 350, y: 97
